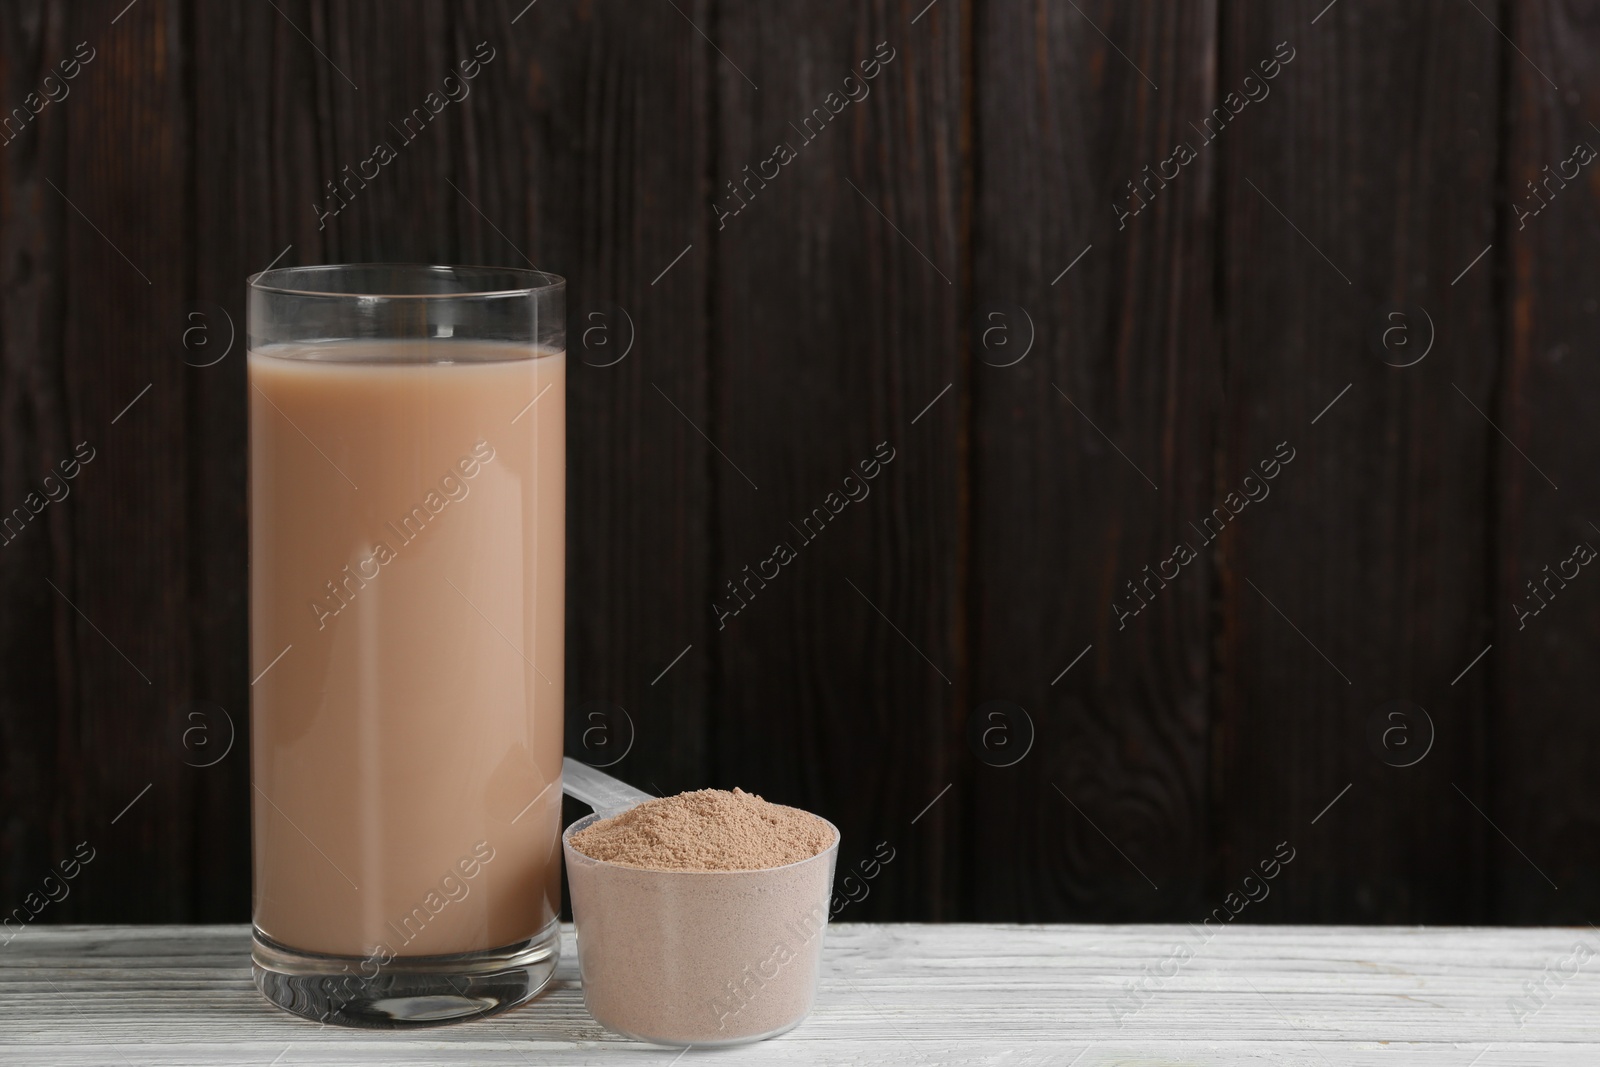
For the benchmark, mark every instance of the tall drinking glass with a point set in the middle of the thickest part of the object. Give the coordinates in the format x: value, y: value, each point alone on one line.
x: 407, y: 540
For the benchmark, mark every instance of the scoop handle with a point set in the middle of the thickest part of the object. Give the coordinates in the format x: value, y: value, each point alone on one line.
x: 603, y: 793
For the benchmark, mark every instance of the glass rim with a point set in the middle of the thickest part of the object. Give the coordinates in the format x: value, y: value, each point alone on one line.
x: 277, y: 280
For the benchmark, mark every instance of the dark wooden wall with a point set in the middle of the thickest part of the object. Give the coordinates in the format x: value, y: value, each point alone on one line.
x: 941, y: 271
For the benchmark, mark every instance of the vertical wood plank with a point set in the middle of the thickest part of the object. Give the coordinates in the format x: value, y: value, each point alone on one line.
x: 42, y: 807
x: 837, y: 322
x: 381, y: 84
x: 586, y: 148
x: 1363, y: 184
x: 122, y: 612
x: 256, y: 175
x: 1544, y: 732
x: 1091, y: 452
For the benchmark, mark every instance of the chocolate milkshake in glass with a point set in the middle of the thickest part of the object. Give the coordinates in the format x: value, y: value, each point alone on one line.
x: 407, y: 546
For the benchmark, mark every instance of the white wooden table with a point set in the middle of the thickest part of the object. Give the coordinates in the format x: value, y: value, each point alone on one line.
x: 890, y: 995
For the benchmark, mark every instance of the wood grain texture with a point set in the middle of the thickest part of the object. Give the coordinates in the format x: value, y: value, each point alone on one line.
x: 1090, y: 453
x: 888, y: 994
x: 776, y: 335
x: 373, y: 80
x: 840, y: 673
x: 1545, y: 400
x: 42, y: 805
x: 122, y: 611
x: 1360, y: 579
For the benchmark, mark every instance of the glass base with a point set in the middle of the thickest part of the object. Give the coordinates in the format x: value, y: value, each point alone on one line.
x: 408, y: 991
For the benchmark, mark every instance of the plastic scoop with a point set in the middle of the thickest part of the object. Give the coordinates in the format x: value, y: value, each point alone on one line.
x: 692, y: 957
x: 605, y: 795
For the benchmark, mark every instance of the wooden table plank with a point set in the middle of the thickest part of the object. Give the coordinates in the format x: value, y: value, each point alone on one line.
x: 891, y: 994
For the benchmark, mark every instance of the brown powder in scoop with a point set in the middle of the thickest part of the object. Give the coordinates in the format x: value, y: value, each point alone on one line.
x: 706, y: 830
